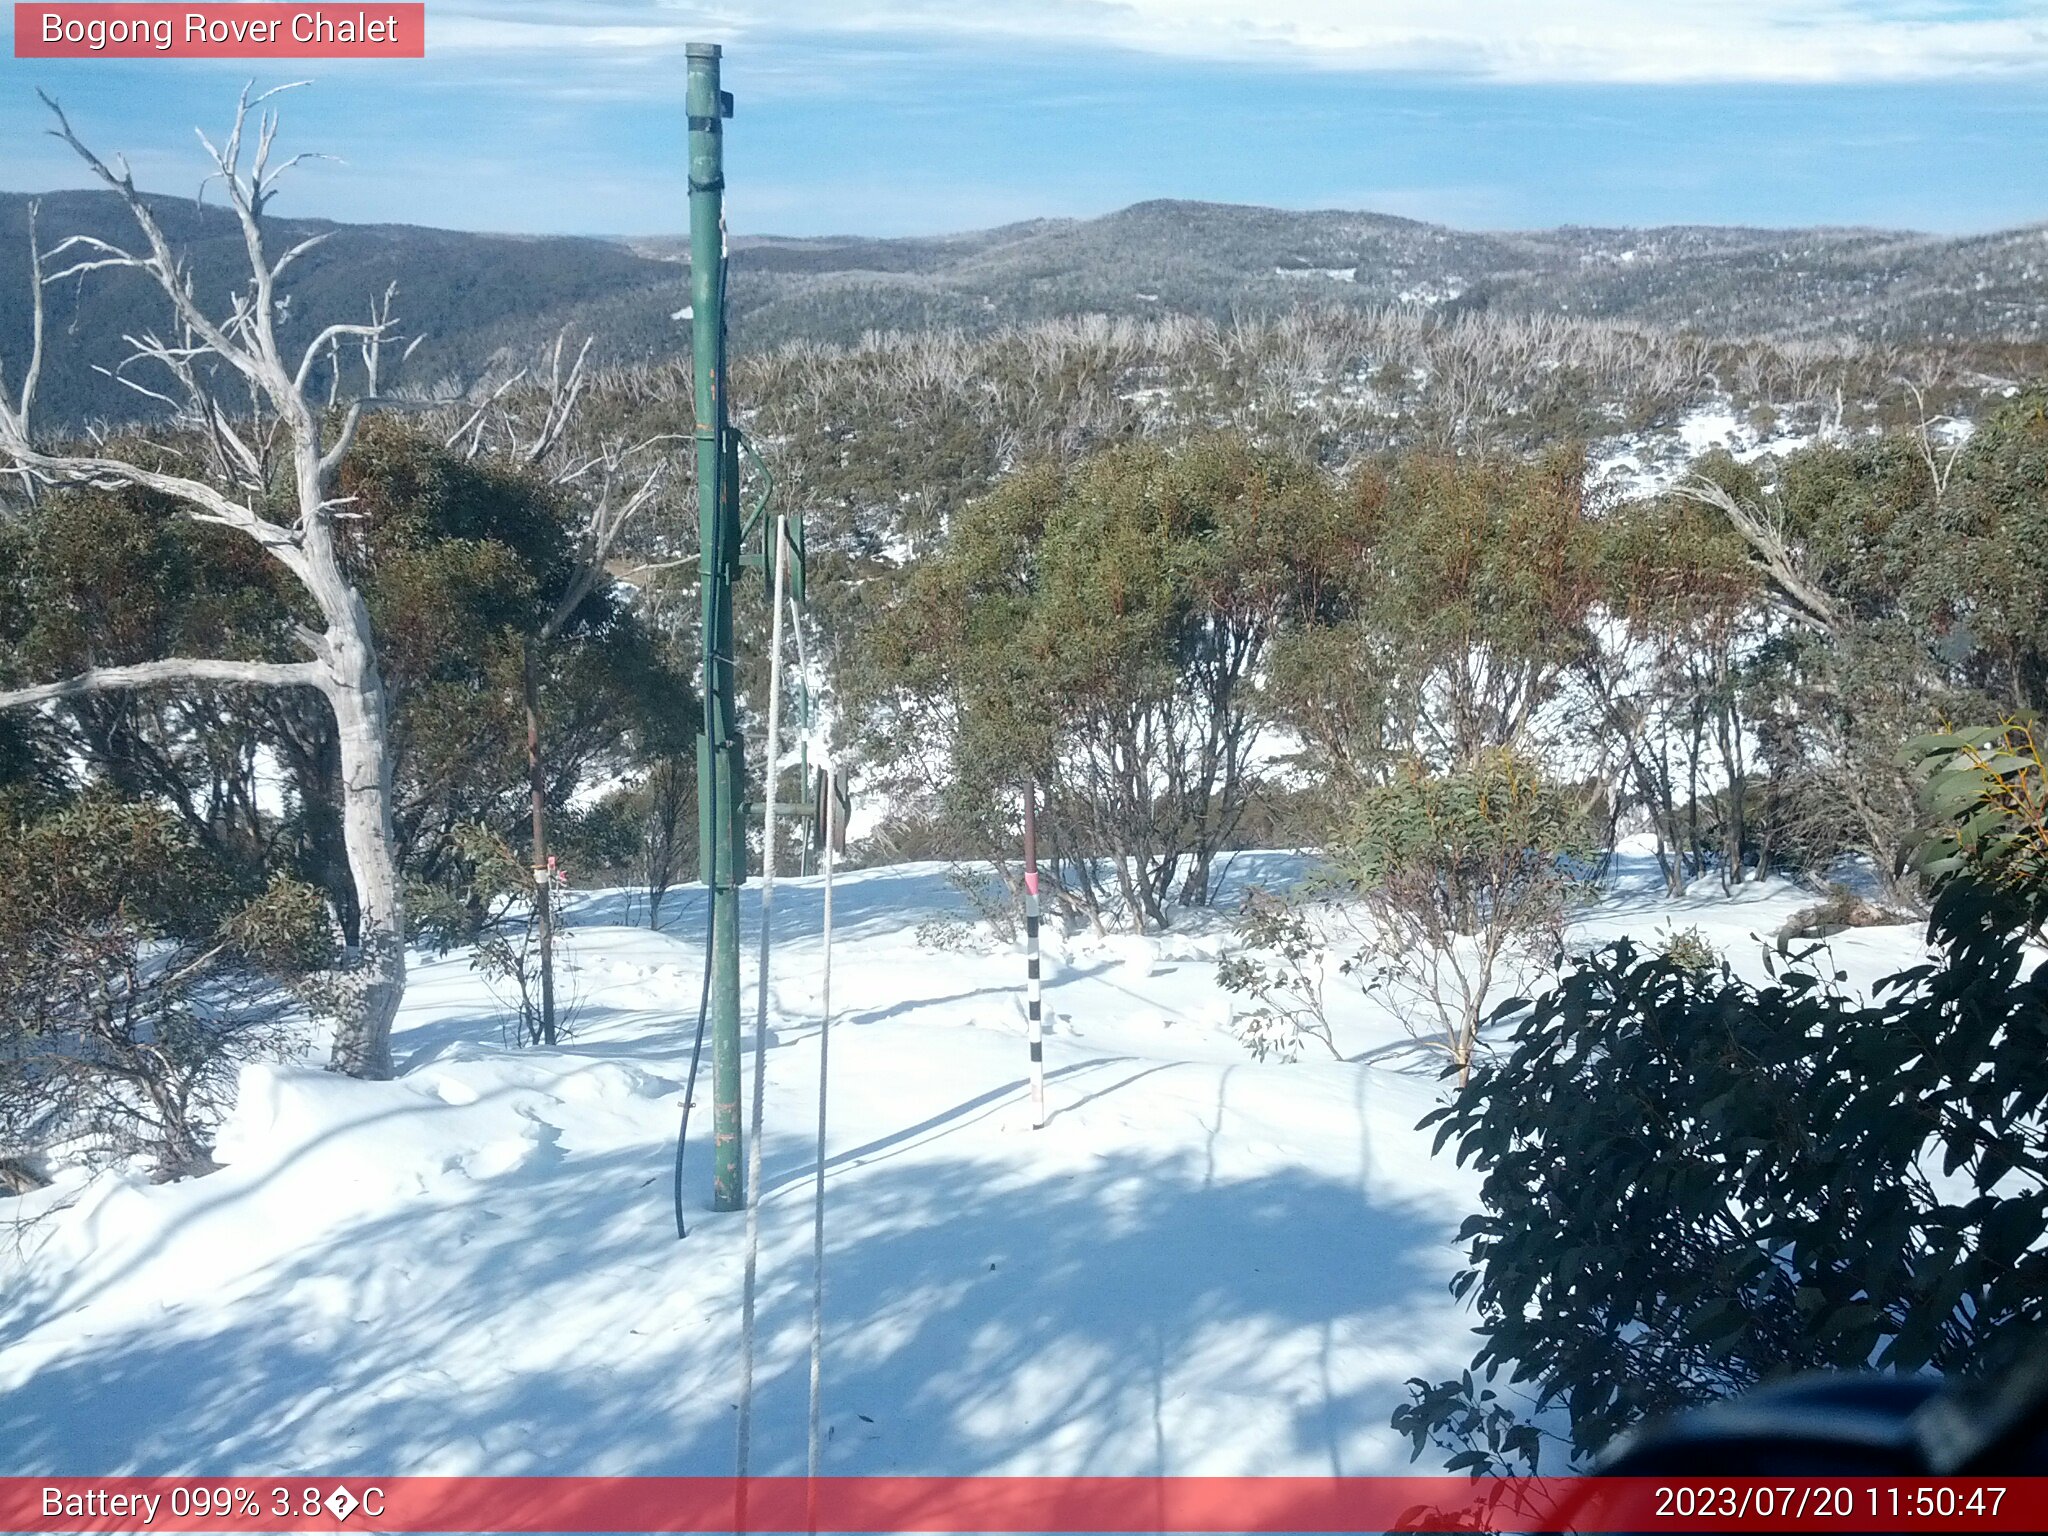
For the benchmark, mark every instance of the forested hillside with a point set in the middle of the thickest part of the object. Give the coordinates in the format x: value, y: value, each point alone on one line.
x: 1214, y: 259
x: 467, y: 295
x: 473, y: 296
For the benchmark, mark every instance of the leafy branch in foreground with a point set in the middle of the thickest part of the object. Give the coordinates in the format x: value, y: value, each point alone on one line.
x: 1990, y: 787
x: 1694, y: 1184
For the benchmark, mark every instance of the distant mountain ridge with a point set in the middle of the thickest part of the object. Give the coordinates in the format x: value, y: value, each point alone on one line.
x: 1211, y: 258
x: 479, y: 297
x: 469, y: 294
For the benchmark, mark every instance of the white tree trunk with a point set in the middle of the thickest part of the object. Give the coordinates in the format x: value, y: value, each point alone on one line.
x: 247, y: 441
x: 362, y: 1032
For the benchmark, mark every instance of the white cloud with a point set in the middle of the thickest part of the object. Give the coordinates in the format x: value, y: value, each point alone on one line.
x: 1645, y: 41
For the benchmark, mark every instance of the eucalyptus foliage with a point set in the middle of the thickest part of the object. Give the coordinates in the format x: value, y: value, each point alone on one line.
x: 1693, y: 1184
x: 1464, y: 880
x: 1100, y: 628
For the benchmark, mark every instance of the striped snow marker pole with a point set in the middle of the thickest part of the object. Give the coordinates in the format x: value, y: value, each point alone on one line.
x: 1032, y: 999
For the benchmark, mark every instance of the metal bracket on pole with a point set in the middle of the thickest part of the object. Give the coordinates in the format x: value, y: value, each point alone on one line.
x: 831, y: 804
x: 758, y: 521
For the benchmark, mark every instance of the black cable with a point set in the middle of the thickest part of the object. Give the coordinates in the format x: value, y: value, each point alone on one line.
x: 710, y: 804
x: 697, y: 1050
x: 704, y: 996
x: 710, y: 930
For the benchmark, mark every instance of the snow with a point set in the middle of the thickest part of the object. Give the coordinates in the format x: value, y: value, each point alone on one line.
x: 1636, y: 465
x: 1432, y: 293
x: 1201, y: 1265
x: 599, y: 787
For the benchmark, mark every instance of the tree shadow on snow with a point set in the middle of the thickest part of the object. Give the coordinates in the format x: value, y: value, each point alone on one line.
x: 864, y: 902
x: 1123, y: 1314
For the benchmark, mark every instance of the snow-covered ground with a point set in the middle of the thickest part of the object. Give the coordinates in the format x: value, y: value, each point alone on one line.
x: 1200, y: 1265
x: 1644, y: 464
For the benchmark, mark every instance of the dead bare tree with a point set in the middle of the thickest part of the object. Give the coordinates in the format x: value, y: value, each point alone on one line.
x: 1800, y: 598
x: 613, y: 483
x: 275, y: 433
x: 1939, y: 459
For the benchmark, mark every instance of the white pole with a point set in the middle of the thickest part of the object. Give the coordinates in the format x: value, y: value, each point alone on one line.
x: 746, y: 1425
x: 1032, y: 983
x: 830, y: 810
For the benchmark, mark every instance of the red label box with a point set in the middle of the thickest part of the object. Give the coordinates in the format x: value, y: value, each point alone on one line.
x: 366, y: 29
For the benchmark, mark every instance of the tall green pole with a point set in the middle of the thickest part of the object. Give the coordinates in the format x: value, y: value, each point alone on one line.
x: 720, y: 775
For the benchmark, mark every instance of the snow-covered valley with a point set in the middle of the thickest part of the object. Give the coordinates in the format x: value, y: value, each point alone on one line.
x: 1202, y: 1264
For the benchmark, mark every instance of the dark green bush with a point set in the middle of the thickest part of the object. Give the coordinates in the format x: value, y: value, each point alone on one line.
x: 1694, y: 1184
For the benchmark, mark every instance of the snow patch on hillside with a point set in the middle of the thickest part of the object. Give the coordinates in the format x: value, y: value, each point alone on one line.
x: 1636, y: 465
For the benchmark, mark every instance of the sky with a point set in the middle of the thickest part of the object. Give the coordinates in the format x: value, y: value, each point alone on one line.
x: 892, y: 117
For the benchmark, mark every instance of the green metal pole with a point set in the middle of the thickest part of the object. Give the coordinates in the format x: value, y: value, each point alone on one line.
x: 720, y: 778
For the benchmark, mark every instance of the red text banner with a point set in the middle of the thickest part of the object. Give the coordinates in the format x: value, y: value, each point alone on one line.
x: 220, y: 31
x: 268, y: 1503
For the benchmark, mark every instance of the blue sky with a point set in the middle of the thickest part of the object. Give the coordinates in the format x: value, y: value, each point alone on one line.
x: 916, y: 116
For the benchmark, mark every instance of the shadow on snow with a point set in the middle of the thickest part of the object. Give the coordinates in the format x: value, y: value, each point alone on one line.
x: 976, y: 1315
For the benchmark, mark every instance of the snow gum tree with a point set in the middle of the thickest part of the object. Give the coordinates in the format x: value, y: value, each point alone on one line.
x: 1458, y: 591
x: 1676, y: 674
x: 1909, y: 585
x: 274, y: 430
x: 1102, y: 627
x: 1463, y: 882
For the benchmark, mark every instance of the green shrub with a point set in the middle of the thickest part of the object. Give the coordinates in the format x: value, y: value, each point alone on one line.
x: 1464, y: 882
x: 1283, y: 972
x: 1690, y: 950
x: 1694, y: 1184
x: 286, y: 930
x: 133, y: 984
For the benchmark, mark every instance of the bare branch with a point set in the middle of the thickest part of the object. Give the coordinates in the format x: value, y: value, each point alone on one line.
x: 161, y: 263
x: 325, y: 341
x: 202, y: 502
x: 371, y: 338
x: 18, y: 410
x: 471, y: 427
x: 35, y: 356
x: 1940, y: 465
x: 1802, y: 599
x: 150, y: 674
x: 600, y: 533
x: 108, y: 255
x: 125, y: 382
x: 562, y: 397
x: 311, y: 242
